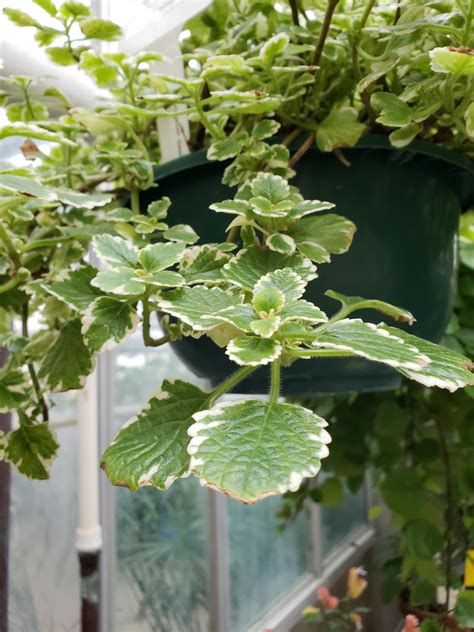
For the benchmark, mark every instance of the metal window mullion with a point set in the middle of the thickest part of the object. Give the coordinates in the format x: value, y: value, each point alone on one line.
x: 107, y: 497
x: 219, y: 575
x: 316, y: 540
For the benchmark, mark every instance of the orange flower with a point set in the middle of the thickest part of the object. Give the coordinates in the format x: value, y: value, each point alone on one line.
x: 327, y: 600
x: 356, y: 584
x: 411, y: 624
x: 356, y: 620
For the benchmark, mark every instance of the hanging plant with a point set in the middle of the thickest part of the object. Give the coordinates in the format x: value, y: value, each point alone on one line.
x: 246, y: 294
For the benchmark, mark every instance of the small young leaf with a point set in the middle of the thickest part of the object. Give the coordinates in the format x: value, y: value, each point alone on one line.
x: 271, y: 187
x: 403, y: 136
x: 182, y: 233
x: 107, y: 322
x: 233, y: 207
x: 265, y: 327
x: 32, y: 448
x: 61, y: 56
x: 13, y: 390
x: 304, y: 311
x: 224, y: 149
x: 274, y: 47
x: 393, y: 111
x: 68, y: 362
x: 115, y: 251
x: 254, y: 449
x: 265, y: 129
x: 30, y: 130
x: 286, y: 281
x: 268, y: 300
x: 151, y: 448
x: 253, y: 351
x: 73, y: 9
x: 20, y: 18
x: 95, y: 28
x: 159, y: 208
x: 280, y: 242
x: 354, y: 303
x: 48, y: 6
x: 156, y: 257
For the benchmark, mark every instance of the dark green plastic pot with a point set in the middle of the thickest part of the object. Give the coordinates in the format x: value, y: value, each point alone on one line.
x: 406, y: 206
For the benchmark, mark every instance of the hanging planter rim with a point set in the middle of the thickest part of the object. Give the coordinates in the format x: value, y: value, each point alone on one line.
x: 369, y: 141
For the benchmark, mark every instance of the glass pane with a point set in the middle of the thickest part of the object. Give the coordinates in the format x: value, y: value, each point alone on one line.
x: 161, y: 580
x: 339, y: 523
x: 44, y: 572
x: 264, y: 562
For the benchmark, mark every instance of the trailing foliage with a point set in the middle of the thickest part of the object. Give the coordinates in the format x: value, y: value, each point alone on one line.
x: 247, y: 293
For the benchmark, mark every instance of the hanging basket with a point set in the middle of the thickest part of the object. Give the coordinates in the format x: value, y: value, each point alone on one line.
x: 406, y: 206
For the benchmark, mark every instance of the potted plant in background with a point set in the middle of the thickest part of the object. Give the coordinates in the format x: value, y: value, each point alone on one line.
x: 418, y: 445
x: 345, y: 73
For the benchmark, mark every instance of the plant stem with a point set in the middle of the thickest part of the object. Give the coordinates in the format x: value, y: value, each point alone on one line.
x: 211, y: 128
x: 302, y: 150
x: 295, y: 12
x: 448, y: 514
x: 148, y: 340
x: 229, y: 384
x: 10, y: 247
x: 276, y: 380
x: 319, y: 353
x: 135, y: 201
x: 31, y: 368
x: 356, y: 41
x: 332, y: 4
x: 291, y: 136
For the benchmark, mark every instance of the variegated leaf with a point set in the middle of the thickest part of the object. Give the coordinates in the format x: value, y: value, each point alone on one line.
x: 181, y: 233
x: 253, y: 351
x: 254, y: 449
x: 266, y: 327
x: 32, y: 448
x: 286, y: 281
x: 114, y: 251
x: 281, y: 243
x: 196, y: 306
x: 151, y: 448
x: 107, y: 322
x: 302, y: 310
x: 13, y: 390
x: 76, y: 289
x: 121, y: 281
x: 157, y: 257
x: 321, y: 236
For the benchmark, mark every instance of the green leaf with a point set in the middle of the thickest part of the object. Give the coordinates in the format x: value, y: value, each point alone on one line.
x: 403, y: 136
x: 156, y: 257
x: 72, y: 9
x: 254, y: 449
x: 430, y: 625
x: 165, y: 278
x: 253, y: 351
x: 115, y: 251
x: 75, y: 289
x: 371, y: 342
x: 30, y: 130
x: 274, y: 47
x: 196, y: 306
x: 60, y: 96
x: 68, y: 362
x: 224, y: 149
x: 32, y: 448
x: 61, y: 56
x: 234, y: 64
x: 286, y: 281
x: 456, y: 61
x: 339, y: 129
x: 13, y: 391
x: 280, y: 242
x: 48, y: 6
x: 319, y: 237
x: 393, y: 111
x: 249, y: 265
x: 181, y: 232
x: 403, y: 492
x: 95, y: 28
x: 464, y: 610
x: 203, y: 265
x: 20, y: 18
x: 265, y: 327
x: 107, y: 322
x: 422, y: 539
x: 268, y: 300
x: 354, y: 303
x: 446, y: 369
x: 150, y: 449
x: 265, y: 129
x: 271, y: 187
x: 232, y: 207
x: 240, y: 315
x: 159, y: 208
x: 306, y: 207
x: 121, y: 281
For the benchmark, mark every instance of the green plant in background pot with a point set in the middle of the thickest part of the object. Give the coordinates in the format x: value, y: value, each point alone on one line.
x: 419, y: 447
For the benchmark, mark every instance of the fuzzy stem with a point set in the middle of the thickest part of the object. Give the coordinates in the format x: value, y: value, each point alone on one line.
x: 229, y: 384
x: 308, y: 143
x: 276, y: 380
x: 332, y: 4
x: 294, y: 12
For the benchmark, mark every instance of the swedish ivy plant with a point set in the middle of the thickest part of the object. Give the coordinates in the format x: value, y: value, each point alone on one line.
x: 246, y: 293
